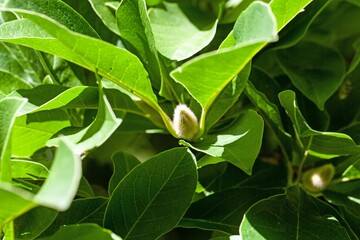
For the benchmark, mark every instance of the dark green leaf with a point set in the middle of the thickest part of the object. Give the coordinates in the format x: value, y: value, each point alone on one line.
x: 123, y: 164
x: 83, y: 232
x: 33, y: 223
x: 295, y: 215
x: 239, y: 144
x: 321, y: 144
x: 315, y: 78
x: 223, y: 211
x: 271, y: 113
x: 89, y: 210
x: 85, y: 189
x: 154, y: 196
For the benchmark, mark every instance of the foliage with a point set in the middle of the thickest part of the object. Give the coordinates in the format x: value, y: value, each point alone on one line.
x: 263, y: 144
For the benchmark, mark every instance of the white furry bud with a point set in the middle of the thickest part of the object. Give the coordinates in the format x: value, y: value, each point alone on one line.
x: 318, y: 179
x: 185, y: 122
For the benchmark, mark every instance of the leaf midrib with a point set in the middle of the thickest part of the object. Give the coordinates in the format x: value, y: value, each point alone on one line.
x: 154, y: 197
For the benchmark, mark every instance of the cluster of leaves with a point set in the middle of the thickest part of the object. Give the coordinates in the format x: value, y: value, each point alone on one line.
x: 85, y: 85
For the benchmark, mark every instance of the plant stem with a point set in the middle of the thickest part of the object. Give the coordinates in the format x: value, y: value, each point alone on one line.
x: 46, y: 65
x: 303, y: 160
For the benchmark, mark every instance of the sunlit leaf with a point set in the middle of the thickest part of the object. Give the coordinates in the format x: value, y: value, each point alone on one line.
x: 9, y: 107
x: 180, y: 31
x: 239, y: 144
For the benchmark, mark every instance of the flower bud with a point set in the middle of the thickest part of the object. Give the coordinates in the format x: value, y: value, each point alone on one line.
x: 318, y: 179
x: 185, y: 122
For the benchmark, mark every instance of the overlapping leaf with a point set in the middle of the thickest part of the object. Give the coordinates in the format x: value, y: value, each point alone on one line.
x: 112, y: 62
x: 9, y: 107
x: 97, y: 132
x: 205, y: 78
x: 223, y: 211
x: 135, y: 29
x: 321, y: 144
x: 181, y: 31
x: 239, y: 144
x: 123, y: 164
x: 57, y: 192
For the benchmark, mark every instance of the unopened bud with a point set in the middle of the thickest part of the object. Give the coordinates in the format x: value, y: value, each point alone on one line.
x: 185, y: 122
x: 318, y: 179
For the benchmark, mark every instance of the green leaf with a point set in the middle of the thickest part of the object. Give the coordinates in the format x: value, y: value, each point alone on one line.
x: 285, y: 11
x: 9, y: 107
x: 239, y: 144
x: 123, y: 164
x: 352, y: 172
x: 58, y: 11
x: 223, y: 211
x: 181, y: 31
x: 134, y: 123
x: 57, y: 191
x: 85, y: 190
x: 14, y: 202
x: 60, y: 187
x: 32, y: 131
x: 33, y: 223
x: 49, y: 97
x: 315, y: 78
x: 134, y: 27
x: 105, y: 13
x: 83, y: 232
x: 154, y: 196
x: 28, y: 170
x: 15, y: 68
x: 295, y: 215
x: 10, y: 82
x: 228, y: 96
x: 346, y: 195
x: 205, y: 78
x: 299, y: 26
x: 88, y: 210
x: 97, y: 132
x: 124, y: 69
x: 260, y: 100
x: 321, y: 144
x: 256, y: 24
